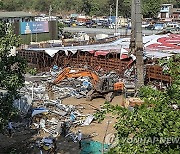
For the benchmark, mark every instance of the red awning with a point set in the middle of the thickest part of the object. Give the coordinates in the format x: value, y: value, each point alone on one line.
x: 101, y: 53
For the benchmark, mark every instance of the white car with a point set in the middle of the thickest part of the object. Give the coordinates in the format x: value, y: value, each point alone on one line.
x: 80, y: 23
x: 145, y: 25
x: 112, y: 26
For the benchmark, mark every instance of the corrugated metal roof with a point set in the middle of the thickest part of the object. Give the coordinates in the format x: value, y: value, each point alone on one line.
x: 15, y: 14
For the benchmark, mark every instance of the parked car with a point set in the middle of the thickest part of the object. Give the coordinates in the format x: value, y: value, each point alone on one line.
x: 90, y: 24
x: 150, y: 27
x: 105, y: 24
x: 172, y: 26
x: 67, y: 22
x: 80, y: 23
x: 159, y: 26
x: 144, y: 25
x: 100, y: 22
x: 178, y: 27
x: 94, y: 25
x: 112, y: 26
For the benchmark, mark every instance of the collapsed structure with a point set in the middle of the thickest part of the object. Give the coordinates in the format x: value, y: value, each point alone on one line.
x: 49, y: 115
x: 106, y: 57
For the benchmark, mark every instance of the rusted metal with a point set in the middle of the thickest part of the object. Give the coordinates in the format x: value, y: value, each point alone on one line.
x: 38, y: 58
x: 101, y: 64
x: 80, y: 59
x: 155, y: 72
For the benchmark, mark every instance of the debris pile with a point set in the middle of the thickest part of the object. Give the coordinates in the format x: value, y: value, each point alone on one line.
x: 43, y: 104
x: 49, y: 115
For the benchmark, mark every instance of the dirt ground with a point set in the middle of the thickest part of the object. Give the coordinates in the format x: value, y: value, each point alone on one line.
x: 22, y: 141
x: 96, y: 127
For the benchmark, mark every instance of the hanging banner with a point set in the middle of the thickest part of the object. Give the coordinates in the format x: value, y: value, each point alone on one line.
x: 34, y: 27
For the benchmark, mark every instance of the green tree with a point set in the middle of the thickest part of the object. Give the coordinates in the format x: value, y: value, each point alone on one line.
x: 95, y: 8
x: 151, y: 8
x: 41, y: 5
x: 9, y: 5
x: 153, y: 127
x: 12, y: 69
x: 89, y: 7
x: 1, y: 5
x: 124, y: 7
x: 176, y: 3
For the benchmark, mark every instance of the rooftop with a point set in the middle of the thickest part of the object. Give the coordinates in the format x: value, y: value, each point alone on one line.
x: 15, y: 14
x: 167, y: 5
x: 176, y: 10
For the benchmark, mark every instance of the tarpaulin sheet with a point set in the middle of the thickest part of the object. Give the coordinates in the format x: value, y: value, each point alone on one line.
x: 93, y: 147
x: 166, y: 42
x: 124, y: 54
x: 101, y: 53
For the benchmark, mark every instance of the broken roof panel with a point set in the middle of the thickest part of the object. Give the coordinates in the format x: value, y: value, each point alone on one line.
x: 166, y: 43
x: 156, y: 54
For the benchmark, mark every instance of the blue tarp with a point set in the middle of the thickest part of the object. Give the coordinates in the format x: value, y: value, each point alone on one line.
x: 92, y: 147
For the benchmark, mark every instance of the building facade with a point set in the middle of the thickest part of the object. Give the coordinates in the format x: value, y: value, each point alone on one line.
x: 16, y: 16
x: 176, y: 14
x: 168, y: 13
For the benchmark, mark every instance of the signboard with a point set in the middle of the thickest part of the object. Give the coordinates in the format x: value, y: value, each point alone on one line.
x: 34, y: 27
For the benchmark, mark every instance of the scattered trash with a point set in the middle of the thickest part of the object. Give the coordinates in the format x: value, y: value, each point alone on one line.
x: 48, y: 115
x: 88, y: 120
x: 39, y: 111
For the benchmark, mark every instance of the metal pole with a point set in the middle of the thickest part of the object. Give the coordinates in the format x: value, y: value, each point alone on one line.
x: 50, y: 9
x: 132, y: 41
x: 32, y: 91
x: 110, y: 20
x: 110, y: 10
x: 116, y: 17
x: 31, y: 36
x: 108, y: 122
x: 139, y: 45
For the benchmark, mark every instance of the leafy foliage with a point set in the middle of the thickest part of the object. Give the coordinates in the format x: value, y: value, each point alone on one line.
x: 12, y: 69
x: 32, y: 71
x: 152, y: 127
x: 88, y: 7
x: 151, y: 7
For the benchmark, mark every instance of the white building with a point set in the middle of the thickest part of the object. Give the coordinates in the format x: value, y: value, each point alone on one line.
x: 166, y: 12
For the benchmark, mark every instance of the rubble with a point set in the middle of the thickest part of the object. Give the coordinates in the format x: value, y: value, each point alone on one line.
x: 48, y: 115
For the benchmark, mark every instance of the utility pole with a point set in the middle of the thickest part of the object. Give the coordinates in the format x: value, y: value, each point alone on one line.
x: 116, y: 26
x: 110, y: 11
x: 50, y: 10
x: 139, y: 45
x: 132, y: 41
